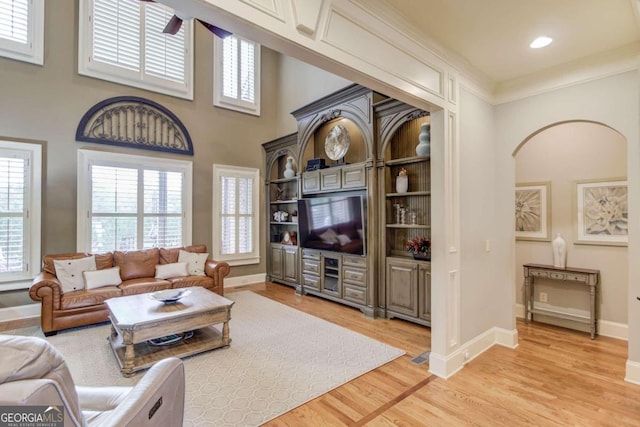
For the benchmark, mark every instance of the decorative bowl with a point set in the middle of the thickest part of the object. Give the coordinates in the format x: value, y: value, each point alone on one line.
x: 169, y: 295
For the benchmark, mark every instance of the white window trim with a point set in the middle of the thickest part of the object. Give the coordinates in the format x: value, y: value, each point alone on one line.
x: 33, y: 51
x: 88, y: 157
x: 216, y: 253
x: 118, y: 75
x: 219, y: 100
x: 34, y: 228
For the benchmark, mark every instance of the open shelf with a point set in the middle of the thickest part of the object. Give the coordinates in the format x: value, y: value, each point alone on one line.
x: 406, y: 160
x: 420, y: 226
x: 410, y: 194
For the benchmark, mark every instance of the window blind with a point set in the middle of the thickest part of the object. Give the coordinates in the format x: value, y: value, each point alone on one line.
x: 14, y: 20
x: 238, y: 64
x: 14, y: 174
x: 116, y: 33
x: 237, y: 215
x: 130, y: 202
x: 164, y: 53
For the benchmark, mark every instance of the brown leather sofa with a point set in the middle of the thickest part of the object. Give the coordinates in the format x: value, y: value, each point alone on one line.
x: 137, y: 270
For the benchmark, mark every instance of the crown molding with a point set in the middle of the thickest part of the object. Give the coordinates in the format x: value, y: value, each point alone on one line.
x: 583, y: 70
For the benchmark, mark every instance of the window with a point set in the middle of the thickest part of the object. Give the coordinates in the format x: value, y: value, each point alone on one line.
x: 128, y: 202
x: 20, y: 199
x: 237, y: 74
x: 235, y: 214
x: 22, y: 30
x: 122, y: 41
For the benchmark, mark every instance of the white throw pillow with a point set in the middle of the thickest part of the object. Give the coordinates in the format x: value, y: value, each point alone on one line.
x: 100, y: 278
x: 343, y: 239
x: 69, y: 272
x: 329, y: 236
x: 167, y: 271
x: 195, y: 262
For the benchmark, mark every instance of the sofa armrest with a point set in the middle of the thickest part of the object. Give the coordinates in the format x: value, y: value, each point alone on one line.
x: 217, y: 270
x: 46, y: 288
x: 157, y: 399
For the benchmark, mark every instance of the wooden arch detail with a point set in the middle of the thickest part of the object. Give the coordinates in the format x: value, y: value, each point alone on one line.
x: 130, y: 121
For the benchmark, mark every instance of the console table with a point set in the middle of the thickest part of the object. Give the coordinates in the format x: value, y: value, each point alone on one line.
x: 584, y: 276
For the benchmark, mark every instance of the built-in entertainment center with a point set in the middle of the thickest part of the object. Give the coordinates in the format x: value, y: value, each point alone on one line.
x: 345, y: 195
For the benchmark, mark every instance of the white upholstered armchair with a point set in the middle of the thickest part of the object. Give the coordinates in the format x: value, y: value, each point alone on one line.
x: 32, y: 372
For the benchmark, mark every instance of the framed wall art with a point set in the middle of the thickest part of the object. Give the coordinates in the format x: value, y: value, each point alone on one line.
x: 533, y: 211
x: 601, y: 212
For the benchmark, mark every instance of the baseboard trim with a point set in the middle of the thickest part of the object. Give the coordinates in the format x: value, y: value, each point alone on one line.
x: 232, y: 282
x: 447, y: 366
x: 19, y: 312
x: 633, y: 372
x: 605, y: 328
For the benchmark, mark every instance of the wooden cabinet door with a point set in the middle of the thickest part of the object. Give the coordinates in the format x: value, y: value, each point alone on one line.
x: 402, y: 287
x: 310, y: 182
x: 424, y: 290
x: 290, y: 264
x: 276, y: 262
x: 330, y: 179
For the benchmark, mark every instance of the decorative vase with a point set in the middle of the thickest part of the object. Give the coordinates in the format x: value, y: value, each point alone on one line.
x: 288, y: 168
x: 424, y: 146
x: 559, y: 252
x: 402, y: 183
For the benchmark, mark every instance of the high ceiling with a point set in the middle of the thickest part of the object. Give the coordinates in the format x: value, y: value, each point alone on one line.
x: 494, y: 35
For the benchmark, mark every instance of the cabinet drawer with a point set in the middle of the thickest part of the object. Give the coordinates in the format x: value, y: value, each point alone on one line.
x: 354, y: 293
x: 354, y: 275
x: 576, y: 277
x: 537, y: 273
x: 557, y: 276
x: 311, y: 281
x: 354, y: 261
x: 310, y: 266
x: 310, y: 254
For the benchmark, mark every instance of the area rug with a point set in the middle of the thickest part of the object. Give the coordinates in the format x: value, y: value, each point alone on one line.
x: 279, y: 358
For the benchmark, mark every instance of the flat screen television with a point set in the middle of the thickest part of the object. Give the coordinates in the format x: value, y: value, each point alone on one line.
x: 333, y: 223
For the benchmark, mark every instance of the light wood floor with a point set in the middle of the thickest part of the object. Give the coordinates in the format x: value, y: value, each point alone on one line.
x: 556, y: 377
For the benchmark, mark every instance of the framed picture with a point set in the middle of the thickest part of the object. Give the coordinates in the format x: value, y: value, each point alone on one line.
x: 601, y: 212
x: 533, y: 211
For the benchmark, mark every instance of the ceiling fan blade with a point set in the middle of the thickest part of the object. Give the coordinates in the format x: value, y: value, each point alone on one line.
x: 216, y: 30
x: 173, y: 26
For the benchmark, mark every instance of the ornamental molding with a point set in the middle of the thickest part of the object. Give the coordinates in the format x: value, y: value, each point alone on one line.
x: 130, y: 121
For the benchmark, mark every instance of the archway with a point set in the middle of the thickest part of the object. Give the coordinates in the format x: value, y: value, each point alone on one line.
x: 562, y: 157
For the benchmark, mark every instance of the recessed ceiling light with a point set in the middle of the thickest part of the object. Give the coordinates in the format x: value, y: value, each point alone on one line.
x: 540, y: 42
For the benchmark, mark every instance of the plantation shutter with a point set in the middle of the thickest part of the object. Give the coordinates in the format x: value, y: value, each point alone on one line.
x: 14, y: 20
x: 237, y: 215
x: 162, y: 209
x: 238, y: 65
x: 247, y: 69
x: 114, y: 206
x: 164, y: 53
x: 116, y: 33
x: 14, y: 179
x: 230, y: 67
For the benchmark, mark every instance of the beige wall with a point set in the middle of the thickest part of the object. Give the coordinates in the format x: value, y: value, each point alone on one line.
x: 563, y: 154
x: 612, y: 101
x: 46, y: 104
x: 300, y: 84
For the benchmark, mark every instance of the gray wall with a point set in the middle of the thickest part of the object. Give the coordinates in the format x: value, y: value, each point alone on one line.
x: 46, y: 104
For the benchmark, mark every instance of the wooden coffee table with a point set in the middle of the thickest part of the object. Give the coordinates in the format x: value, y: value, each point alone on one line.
x: 136, y: 319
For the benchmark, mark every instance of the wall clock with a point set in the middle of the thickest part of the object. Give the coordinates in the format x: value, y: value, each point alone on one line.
x: 337, y: 142
x: 288, y: 238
